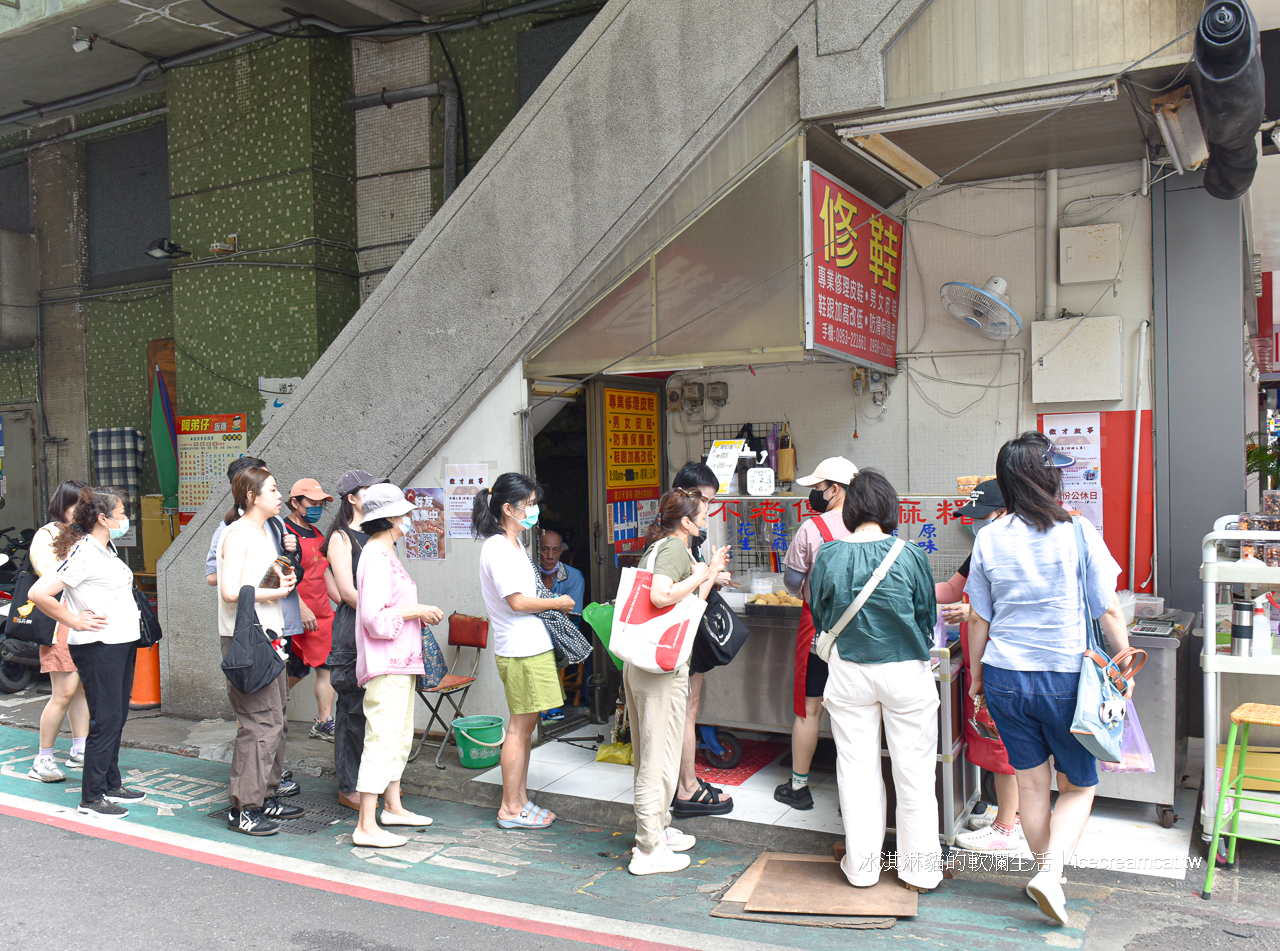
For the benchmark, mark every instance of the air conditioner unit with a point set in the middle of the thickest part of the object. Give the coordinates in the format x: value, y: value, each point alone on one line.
x: 19, y: 286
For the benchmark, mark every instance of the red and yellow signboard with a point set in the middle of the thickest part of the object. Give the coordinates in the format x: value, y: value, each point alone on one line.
x: 633, y: 459
x: 206, y: 446
x: 853, y: 262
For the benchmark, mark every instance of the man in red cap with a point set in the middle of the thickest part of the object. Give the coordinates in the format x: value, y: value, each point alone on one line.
x: 310, y: 649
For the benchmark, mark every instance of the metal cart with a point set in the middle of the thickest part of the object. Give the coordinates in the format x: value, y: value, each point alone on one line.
x: 1263, y: 682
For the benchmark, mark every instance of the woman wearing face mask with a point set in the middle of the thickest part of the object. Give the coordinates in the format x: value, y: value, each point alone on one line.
x: 102, y: 621
x: 521, y: 644
x: 656, y: 702
x: 389, y: 623
x: 829, y: 483
x: 310, y: 650
x: 342, y: 549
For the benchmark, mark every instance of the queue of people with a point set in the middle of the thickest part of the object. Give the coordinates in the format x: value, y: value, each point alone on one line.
x: 352, y: 619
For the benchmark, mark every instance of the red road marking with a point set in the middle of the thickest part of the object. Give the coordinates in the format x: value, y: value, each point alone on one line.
x: 354, y: 891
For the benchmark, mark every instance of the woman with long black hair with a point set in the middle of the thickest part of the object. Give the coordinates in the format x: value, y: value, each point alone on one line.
x: 521, y: 645
x: 66, y: 701
x: 101, y: 618
x: 343, y: 548
x: 1027, y: 640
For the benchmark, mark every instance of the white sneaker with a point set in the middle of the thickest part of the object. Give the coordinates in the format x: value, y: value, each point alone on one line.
x: 675, y: 840
x: 45, y: 769
x: 992, y: 839
x: 983, y: 819
x: 661, y: 859
x: 76, y: 760
x: 1046, y: 892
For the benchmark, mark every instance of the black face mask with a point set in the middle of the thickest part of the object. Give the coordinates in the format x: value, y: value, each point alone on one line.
x: 818, y: 501
x: 698, y: 540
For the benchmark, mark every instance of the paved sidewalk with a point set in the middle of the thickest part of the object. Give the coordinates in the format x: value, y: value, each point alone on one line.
x: 578, y: 867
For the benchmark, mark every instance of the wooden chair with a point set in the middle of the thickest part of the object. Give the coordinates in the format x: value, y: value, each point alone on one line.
x: 465, y: 632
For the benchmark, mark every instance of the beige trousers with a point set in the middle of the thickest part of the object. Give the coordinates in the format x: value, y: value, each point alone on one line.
x: 655, y: 704
x: 388, y: 731
x: 257, y: 760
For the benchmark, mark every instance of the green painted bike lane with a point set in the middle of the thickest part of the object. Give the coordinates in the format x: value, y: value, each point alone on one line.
x: 569, y: 867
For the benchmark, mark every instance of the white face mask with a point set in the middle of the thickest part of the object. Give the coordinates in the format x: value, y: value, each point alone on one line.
x: 406, y: 525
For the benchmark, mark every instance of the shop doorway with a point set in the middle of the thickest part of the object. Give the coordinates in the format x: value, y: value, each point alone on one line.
x: 560, y: 464
x: 19, y: 487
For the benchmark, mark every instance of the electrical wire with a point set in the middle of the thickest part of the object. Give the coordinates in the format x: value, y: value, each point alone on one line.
x: 462, y: 108
x: 226, y: 379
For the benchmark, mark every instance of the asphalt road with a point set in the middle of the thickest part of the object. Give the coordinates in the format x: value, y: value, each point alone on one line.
x: 68, y: 891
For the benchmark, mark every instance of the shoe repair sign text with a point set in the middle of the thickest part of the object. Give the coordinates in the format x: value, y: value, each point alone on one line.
x: 852, y: 260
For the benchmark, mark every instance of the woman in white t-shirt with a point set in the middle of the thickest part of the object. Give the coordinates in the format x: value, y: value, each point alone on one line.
x: 66, y: 701
x: 521, y: 644
x: 101, y: 615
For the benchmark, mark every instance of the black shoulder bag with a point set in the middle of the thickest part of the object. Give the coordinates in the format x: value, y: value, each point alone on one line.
x: 252, y: 662
x: 721, y: 634
x: 26, y: 621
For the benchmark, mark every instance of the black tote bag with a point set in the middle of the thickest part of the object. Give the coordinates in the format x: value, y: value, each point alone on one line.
x: 251, y: 663
x: 721, y: 634
x: 26, y: 621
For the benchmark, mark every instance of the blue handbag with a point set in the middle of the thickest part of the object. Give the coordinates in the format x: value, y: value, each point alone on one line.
x: 1100, y: 703
x: 434, y: 667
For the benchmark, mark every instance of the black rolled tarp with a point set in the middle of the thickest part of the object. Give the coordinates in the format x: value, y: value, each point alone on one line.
x: 1230, y: 95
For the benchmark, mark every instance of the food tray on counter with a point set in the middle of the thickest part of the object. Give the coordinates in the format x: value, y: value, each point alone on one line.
x: 771, y: 610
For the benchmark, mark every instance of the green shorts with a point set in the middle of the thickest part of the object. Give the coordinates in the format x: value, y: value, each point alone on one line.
x: 532, y: 683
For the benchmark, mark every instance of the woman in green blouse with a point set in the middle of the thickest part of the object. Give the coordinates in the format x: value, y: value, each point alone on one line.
x: 879, y: 673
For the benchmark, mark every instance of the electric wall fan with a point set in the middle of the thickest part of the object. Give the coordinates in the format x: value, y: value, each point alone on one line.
x: 986, y: 309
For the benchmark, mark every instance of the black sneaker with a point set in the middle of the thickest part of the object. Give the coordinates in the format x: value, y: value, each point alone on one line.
x: 102, y: 809
x: 287, y: 788
x: 273, y: 808
x: 250, y: 822
x: 286, y: 775
x: 120, y: 794
x: 795, y: 798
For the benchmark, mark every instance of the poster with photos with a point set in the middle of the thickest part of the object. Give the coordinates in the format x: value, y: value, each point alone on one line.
x: 427, y: 540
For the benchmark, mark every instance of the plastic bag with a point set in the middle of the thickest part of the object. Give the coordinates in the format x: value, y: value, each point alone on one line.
x: 619, y: 753
x: 1135, y: 753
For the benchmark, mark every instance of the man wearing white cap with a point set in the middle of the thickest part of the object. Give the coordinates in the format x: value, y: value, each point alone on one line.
x: 827, y: 484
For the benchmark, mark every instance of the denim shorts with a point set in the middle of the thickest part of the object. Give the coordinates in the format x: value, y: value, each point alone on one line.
x: 1033, y: 710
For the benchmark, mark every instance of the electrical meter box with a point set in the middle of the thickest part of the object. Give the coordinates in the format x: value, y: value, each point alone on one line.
x: 1077, y: 359
x: 1089, y: 255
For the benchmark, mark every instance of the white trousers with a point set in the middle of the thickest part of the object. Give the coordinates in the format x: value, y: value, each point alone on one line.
x: 902, y: 696
x: 655, y: 704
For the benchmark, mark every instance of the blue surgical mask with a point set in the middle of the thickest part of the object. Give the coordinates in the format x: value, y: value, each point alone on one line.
x: 406, y: 525
x: 530, y: 517
x: 313, y: 513
x: 121, y: 531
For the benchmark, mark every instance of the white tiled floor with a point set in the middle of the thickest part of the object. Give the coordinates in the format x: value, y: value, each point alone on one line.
x: 1117, y: 832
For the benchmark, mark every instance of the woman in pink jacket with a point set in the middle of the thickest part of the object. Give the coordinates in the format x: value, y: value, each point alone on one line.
x: 388, y: 657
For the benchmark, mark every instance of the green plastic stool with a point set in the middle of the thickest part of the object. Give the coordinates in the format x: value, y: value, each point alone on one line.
x: 1246, y: 714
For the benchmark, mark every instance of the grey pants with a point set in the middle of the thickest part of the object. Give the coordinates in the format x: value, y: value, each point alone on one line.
x: 655, y: 704
x: 348, y: 738
x: 258, y: 759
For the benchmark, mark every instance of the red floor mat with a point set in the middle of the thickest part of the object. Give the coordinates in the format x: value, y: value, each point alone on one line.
x: 756, y: 755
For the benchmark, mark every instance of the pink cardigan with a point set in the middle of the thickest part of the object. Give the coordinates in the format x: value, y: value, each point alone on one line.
x: 385, y: 642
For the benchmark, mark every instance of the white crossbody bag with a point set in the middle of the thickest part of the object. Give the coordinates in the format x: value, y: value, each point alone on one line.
x: 827, y: 639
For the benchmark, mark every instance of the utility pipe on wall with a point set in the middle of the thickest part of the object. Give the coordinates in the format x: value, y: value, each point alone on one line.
x: 445, y: 89
x: 1050, y: 244
x: 1137, y: 450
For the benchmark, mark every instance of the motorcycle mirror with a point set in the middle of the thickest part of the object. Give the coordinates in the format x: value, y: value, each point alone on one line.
x: 1, y: 501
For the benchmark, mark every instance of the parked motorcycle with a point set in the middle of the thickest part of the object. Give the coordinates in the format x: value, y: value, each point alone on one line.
x: 19, y: 660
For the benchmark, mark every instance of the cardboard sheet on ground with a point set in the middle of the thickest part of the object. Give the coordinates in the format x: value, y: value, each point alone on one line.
x: 737, y: 910
x: 820, y: 888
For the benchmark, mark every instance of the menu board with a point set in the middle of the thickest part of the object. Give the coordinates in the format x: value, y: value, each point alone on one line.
x: 853, y: 256
x: 633, y: 455
x: 206, y: 446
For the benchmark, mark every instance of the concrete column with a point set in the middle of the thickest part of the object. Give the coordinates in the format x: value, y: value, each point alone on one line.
x: 58, y: 217
x: 1199, y: 270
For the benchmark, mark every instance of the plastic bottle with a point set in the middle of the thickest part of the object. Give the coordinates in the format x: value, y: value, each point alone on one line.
x: 1261, y: 629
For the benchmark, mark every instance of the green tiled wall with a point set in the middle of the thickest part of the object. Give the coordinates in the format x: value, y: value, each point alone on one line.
x: 119, y: 328
x: 261, y: 145
x: 18, y: 376
x: 485, y: 59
